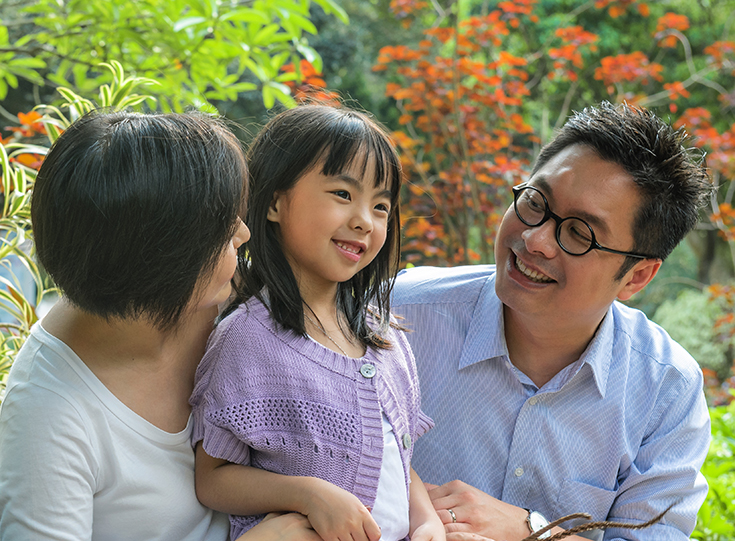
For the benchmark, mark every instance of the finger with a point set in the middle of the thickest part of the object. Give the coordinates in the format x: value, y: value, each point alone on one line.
x: 372, y: 530
x: 466, y: 536
x: 446, y: 517
x: 457, y: 527
x: 430, y: 486
x: 452, y: 501
x: 446, y: 489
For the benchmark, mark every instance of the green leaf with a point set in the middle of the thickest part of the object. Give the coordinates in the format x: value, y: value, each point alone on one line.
x: 246, y: 15
x: 269, y: 98
x: 187, y: 22
x: 273, y: 90
x: 311, y: 55
x: 330, y: 6
x: 265, y: 34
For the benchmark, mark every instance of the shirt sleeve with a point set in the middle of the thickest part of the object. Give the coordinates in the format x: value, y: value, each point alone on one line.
x: 424, y: 423
x: 46, y: 468
x: 666, y: 469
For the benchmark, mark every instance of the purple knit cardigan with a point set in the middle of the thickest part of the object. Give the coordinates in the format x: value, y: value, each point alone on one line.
x: 269, y: 398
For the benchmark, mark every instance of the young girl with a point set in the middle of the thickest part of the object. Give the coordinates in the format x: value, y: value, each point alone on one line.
x: 307, y: 398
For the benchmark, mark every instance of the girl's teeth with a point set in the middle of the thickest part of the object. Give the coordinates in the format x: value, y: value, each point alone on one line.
x: 533, y: 275
x: 348, y: 248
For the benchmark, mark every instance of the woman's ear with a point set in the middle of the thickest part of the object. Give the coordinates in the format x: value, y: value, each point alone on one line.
x: 274, y: 208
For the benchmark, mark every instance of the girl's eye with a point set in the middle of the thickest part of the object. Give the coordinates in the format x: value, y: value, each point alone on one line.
x: 382, y: 207
x: 343, y: 194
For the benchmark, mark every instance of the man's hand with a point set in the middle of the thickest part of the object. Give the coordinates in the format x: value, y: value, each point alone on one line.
x: 476, y: 513
x: 464, y: 536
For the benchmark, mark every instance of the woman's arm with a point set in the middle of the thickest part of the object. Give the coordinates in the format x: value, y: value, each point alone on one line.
x: 334, y: 513
x: 47, y: 468
x: 288, y: 527
x: 425, y: 524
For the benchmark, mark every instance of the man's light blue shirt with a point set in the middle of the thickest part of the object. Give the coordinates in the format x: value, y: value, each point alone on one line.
x: 619, y: 434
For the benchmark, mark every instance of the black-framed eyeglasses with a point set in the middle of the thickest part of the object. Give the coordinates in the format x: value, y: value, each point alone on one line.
x: 574, y: 235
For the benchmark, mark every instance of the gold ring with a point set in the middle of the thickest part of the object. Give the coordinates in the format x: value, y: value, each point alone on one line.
x: 451, y: 514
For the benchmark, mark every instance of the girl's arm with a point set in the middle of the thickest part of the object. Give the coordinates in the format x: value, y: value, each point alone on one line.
x: 334, y: 513
x: 425, y: 524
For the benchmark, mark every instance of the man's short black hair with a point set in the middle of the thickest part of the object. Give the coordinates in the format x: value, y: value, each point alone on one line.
x: 130, y: 210
x: 669, y: 172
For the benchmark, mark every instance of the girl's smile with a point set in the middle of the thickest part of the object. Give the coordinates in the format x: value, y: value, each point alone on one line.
x: 350, y: 250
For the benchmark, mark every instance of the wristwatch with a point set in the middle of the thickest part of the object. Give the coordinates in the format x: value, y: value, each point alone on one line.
x: 535, y: 522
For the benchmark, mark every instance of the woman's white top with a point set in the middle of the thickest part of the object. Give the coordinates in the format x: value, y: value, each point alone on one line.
x: 77, y: 464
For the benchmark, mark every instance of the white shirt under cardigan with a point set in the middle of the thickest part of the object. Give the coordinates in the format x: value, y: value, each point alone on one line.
x: 77, y: 464
x: 391, y: 500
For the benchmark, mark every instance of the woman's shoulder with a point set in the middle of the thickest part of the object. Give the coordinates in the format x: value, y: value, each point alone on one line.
x: 47, y: 382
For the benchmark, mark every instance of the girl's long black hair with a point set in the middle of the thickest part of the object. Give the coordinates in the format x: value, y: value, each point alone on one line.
x: 289, y: 146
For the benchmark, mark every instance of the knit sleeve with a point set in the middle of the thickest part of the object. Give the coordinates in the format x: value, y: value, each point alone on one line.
x: 214, y: 397
x: 423, y: 423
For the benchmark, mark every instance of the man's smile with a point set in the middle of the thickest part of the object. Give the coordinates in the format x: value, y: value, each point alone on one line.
x: 532, y: 275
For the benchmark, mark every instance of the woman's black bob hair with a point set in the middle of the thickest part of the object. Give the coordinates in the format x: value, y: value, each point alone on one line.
x: 130, y: 210
x: 293, y: 143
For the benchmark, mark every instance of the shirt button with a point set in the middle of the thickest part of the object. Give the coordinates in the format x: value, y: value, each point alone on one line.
x: 533, y: 400
x: 518, y: 472
x: 406, y: 441
x: 368, y: 370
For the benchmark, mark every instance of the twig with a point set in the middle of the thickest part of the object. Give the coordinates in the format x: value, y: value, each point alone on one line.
x: 599, y: 525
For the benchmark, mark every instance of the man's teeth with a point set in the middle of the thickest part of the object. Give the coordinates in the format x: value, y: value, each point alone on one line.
x: 532, y: 274
x: 349, y: 248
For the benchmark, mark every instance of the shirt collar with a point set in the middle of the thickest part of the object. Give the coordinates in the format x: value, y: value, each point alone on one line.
x: 486, y: 337
x: 598, y: 354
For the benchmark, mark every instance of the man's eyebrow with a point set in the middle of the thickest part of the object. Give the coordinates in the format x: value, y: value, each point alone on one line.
x: 597, y: 223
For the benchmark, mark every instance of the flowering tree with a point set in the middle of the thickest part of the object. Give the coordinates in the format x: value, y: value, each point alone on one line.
x: 489, y: 83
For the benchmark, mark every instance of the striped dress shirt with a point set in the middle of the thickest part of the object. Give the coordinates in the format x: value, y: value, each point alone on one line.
x: 620, y: 434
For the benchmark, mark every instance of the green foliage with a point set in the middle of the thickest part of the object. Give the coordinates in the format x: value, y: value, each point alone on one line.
x: 197, y: 50
x: 690, y: 320
x: 15, y: 222
x: 716, y: 519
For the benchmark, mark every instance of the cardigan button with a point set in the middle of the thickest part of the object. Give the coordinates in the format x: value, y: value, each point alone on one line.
x: 406, y: 441
x: 368, y: 370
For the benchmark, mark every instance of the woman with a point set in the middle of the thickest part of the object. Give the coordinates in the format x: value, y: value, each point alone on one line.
x: 136, y: 218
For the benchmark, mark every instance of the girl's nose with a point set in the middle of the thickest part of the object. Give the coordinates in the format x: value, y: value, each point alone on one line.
x: 362, y: 220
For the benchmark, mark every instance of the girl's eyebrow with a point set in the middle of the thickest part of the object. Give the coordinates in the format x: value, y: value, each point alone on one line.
x: 358, y: 184
x: 349, y: 179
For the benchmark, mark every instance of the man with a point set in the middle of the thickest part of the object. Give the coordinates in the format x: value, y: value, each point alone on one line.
x: 549, y: 396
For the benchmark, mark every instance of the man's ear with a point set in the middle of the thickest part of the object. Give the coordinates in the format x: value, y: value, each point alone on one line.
x: 642, y: 274
x: 275, y: 207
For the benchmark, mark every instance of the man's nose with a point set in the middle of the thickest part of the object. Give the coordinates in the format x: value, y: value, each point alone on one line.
x: 542, y: 239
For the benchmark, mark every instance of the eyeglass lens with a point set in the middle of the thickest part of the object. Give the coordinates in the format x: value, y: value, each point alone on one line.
x: 573, y: 234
